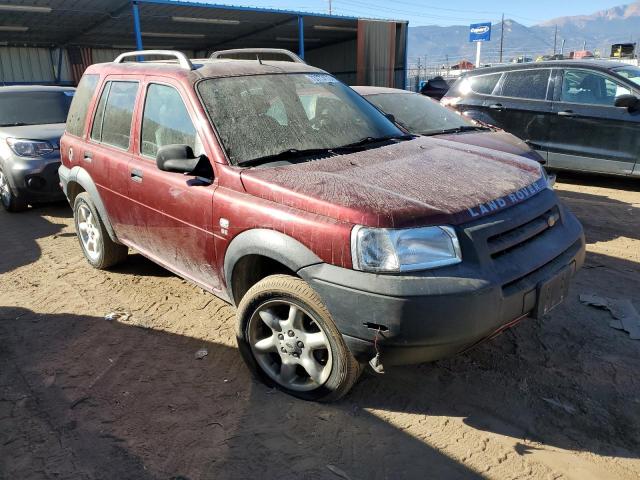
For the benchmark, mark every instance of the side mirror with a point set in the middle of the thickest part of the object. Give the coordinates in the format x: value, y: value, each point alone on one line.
x: 391, y: 117
x: 630, y: 102
x: 176, y: 158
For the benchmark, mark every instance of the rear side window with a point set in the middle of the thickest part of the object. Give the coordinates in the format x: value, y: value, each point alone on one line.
x: 80, y: 104
x: 530, y: 84
x: 166, y: 121
x: 481, y: 84
x: 484, y: 84
x: 112, y: 122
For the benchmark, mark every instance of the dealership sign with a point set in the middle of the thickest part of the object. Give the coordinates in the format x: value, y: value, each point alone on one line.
x: 480, y: 32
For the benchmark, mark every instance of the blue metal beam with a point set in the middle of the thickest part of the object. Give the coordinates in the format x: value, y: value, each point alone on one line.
x: 301, y: 36
x: 136, y: 26
x: 254, y: 32
x: 180, y: 3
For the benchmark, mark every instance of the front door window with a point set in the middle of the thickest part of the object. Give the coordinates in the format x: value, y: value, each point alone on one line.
x: 590, y: 88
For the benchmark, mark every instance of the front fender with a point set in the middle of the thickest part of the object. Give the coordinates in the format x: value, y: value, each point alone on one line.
x: 267, y: 243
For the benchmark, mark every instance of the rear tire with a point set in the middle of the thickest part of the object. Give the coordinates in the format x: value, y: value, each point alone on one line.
x: 98, y: 248
x: 288, y: 339
x: 10, y: 202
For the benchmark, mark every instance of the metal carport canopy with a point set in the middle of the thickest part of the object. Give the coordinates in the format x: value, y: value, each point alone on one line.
x: 167, y: 24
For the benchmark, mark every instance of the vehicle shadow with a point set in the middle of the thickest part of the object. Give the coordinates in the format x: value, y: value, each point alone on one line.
x: 629, y: 184
x: 19, y: 249
x: 58, y: 209
x: 568, y: 380
x: 139, y: 265
x: 83, y: 397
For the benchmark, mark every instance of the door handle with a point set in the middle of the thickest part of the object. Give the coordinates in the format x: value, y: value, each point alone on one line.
x: 497, y: 106
x: 88, y: 157
x: 136, y: 175
x: 566, y: 113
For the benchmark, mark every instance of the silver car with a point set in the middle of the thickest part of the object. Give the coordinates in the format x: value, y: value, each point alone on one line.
x: 32, y: 120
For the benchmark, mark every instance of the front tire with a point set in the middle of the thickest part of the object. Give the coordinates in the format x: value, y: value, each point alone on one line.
x: 10, y: 202
x: 98, y: 248
x: 289, y: 341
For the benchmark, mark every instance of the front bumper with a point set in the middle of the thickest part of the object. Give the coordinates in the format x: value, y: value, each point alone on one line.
x: 35, y: 179
x: 437, y: 313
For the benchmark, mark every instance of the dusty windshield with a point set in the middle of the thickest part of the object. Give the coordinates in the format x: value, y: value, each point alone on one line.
x: 264, y: 115
x: 34, y: 108
x: 631, y: 73
x: 417, y: 113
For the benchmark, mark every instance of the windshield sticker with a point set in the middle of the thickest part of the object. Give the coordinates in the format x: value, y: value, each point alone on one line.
x: 321, y: 78
x: 69, y: 93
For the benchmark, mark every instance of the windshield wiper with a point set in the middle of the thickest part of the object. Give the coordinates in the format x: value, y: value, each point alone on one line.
x: 363, y: 142
x: 460, y: 129
x: 288, y: 154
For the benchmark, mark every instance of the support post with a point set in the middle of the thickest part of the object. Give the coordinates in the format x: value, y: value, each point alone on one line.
x: 501, y: 38
x: 59, y: 74
x: 478, y: 50
x: 136, y: 26
x: 301, y: 36
x: 405, y: 80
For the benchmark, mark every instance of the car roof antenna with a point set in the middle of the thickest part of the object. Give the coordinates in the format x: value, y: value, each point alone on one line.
x: 258, y: 58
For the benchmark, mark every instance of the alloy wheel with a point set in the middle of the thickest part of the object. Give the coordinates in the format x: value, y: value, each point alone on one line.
x: 289, y: 345
x: 89, y: 232
x: 5, y: 192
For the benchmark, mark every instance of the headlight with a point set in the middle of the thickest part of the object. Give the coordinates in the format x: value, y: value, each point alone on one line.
x: 29, y: 148
x: 406, y: 250
x: 549, y: 179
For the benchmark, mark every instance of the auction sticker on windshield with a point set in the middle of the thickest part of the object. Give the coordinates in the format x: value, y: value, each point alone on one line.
x: 321, y: 78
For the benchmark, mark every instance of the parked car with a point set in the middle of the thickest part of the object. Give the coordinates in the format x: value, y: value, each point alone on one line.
x: 341, y: 239
x: 422, y: 116
x: 32, y: 120
x: 436, y: 88
x: 521, y: 59
x: 579, y: 115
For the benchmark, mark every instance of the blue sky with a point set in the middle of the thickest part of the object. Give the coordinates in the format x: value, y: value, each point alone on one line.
x: 452, y: 12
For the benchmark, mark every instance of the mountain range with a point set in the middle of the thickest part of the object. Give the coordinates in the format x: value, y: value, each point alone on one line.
x: 597, y: 32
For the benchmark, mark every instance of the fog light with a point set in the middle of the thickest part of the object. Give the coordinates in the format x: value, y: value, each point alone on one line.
x: 36, y: 183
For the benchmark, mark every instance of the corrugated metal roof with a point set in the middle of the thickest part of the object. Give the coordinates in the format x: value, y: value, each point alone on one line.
x: 183, y: 25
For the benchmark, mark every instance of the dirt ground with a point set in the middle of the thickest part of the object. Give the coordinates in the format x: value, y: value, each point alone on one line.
x: 86, y: 398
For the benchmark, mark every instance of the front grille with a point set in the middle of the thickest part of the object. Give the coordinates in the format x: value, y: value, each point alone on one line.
x: 515, y: 246
x: 518, y: 237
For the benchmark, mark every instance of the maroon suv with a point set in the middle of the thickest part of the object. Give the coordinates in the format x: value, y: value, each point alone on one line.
x: 341, y: 239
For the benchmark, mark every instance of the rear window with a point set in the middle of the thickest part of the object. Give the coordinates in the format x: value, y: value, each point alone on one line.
x: 80, y: 104
x: 34, y: 108
x: 530, y: 84
x: 112, y: 123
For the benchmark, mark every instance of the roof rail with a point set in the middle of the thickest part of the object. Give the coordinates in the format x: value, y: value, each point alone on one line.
x: 181, y: 57
x: 256, y: 52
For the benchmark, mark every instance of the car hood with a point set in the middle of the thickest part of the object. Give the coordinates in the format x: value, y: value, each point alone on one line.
x: 416, y: 182
x: 496, y: 140
x: 49, y: 132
